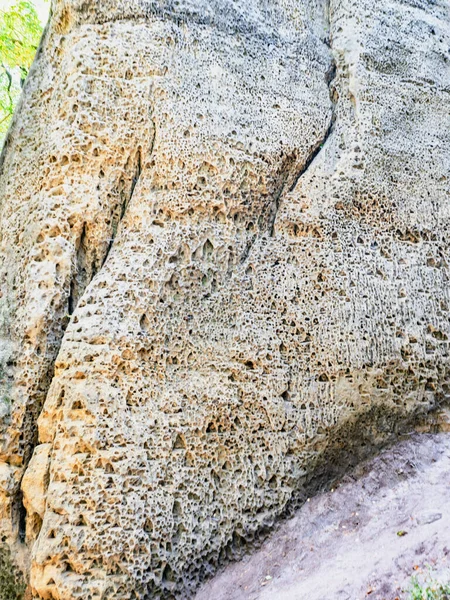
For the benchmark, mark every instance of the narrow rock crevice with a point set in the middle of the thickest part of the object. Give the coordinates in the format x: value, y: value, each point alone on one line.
x: 22, y: 512
x: 290, y: 173
x: 276, y: 201
x: 82, y: 271
x: 88, y: 261
x: 317, y: 148
x: 124, y: 191
x: 315, y: 151
x: 330, y: 76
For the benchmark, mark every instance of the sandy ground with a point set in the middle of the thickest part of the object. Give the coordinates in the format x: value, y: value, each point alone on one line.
x: 385, y: 522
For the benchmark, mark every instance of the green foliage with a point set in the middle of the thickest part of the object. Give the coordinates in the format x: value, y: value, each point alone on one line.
x: 429, y: 590
x: 20, y: 32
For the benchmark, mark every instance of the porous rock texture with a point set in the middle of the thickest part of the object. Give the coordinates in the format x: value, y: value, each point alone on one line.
x: 224, y: 266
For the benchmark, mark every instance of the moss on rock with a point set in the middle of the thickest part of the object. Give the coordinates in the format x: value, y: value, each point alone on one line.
x: 12, y: 585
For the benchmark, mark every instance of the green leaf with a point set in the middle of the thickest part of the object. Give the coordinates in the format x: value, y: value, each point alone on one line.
x: 20, y: 33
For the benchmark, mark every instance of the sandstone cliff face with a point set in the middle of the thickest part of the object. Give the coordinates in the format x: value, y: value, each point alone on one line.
x: 224, y: 263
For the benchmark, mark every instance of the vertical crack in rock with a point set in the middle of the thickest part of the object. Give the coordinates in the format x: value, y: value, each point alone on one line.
x: 87, y: 264
x: 87, y: 261
x: 83, y: 237
x: 330, y: 76
x: 82, y: 272
x: 125, y: 191
x: 276, y: 201
x: 22, y: 516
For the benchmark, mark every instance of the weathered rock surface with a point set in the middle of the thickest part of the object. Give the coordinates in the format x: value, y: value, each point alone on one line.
x: 224, y: 268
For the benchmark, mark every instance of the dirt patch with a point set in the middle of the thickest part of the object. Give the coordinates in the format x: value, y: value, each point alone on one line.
x: 385, y: 521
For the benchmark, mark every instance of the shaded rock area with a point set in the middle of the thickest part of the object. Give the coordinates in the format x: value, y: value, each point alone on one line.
x: 224, y: 266
x: 12, y: 584
x: 385, y: 522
